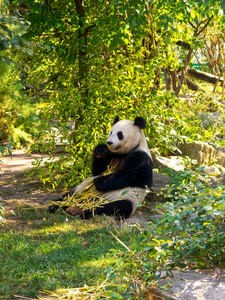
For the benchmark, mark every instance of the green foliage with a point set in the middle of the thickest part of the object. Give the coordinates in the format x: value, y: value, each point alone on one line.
x: 7, y: 148
x: 94, y: 66
x: 194, y: 220
x: 11, y: 29
x: 189, y: 235
x: 19, y: 113
x: 135, y: 270
x: 167, y: 126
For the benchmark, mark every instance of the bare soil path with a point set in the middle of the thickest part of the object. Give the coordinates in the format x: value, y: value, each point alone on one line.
x: 16, y: 187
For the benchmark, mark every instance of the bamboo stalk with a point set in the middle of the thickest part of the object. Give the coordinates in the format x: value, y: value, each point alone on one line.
x: 89, y: 198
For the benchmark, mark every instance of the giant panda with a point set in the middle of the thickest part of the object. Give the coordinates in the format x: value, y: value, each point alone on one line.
x: 128, y: 154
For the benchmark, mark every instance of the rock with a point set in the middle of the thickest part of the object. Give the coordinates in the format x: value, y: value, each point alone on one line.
x: 198, y: 285
x: 200, y: 151
x: 140, y: 217
x: 212, y: 170
x: 220, y: 157
x: 172, y: 162
x: 154, y: 218
x: 221, y: 168
x: 218, y: 180
x: 160, y: 183
x: 210, y: 118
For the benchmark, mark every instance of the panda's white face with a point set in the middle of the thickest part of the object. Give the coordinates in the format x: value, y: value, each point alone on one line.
x: 123, y: 137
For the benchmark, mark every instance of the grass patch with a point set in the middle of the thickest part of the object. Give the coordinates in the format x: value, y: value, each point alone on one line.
x: 47, y: 252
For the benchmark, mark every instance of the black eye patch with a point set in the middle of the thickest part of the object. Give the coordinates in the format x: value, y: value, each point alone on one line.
x: 120, y: 135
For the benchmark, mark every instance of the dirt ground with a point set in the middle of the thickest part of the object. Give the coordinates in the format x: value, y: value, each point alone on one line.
x: 16, y: 187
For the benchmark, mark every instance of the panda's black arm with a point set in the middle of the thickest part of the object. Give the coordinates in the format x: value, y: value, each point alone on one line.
x: 101, y: 159
x: 115, y: 181
x: 136, y: 172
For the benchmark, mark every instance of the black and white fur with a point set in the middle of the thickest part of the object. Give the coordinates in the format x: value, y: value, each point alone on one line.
x: 128, y: 153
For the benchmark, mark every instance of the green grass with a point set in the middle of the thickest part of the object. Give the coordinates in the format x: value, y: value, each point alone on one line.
x: 47, y: 252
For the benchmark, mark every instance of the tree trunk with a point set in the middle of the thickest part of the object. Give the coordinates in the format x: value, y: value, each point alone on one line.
x: 82, y: 35
x: 167, y: 78
x: 82, y: 63
x: 198, y: 30
x: 156, y: 84
x: 207, y: 77
x: 191, y: 85
x: 174, y: 79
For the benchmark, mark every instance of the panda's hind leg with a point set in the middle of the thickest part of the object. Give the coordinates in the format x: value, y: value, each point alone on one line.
x: 120, y: 209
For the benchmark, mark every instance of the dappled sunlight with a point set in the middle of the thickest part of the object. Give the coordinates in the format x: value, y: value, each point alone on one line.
x: 61, y: 253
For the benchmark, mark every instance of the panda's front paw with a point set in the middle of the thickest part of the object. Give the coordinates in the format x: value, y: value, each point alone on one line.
x: 99, y: 183
x: 101, y: 151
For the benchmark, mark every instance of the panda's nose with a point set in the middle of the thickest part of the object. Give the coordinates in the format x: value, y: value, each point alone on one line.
x: 109, y: 143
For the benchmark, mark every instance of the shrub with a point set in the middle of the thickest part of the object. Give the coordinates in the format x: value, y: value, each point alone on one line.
x: 19, y: 113
x: 189, y: 235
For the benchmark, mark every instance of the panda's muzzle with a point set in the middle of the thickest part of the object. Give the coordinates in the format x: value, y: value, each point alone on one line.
x: 111, y: 147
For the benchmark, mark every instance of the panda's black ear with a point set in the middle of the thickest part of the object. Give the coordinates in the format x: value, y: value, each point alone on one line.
x: 116, y: 120
x: 140, y: 122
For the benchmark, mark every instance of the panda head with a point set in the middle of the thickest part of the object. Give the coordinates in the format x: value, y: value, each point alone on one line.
x: 126, y: 136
